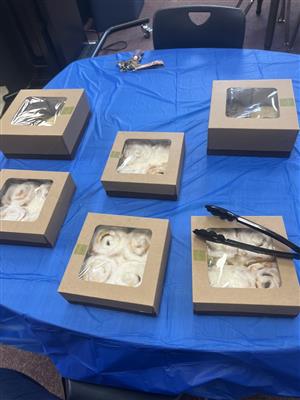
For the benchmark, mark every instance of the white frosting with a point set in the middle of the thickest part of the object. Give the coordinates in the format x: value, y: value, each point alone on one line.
x: 157, y: 169
x: 264, y: 112
x: 117, y: 256
x: 109, y: 242
x: 97, y: 268
x: 24, y: 201
x: 42, y: 191
x: 266, y: 275
x: 144, y: 158
x: 242, y: 268
x: 216, y: 250
x: 231, y: 277
x: 129, y: 274
x: 137, y: 245
x: 19, y: 194
x: 12, y: 213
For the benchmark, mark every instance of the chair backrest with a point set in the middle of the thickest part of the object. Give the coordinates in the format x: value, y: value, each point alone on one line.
x: 86, y: 391
x: 17, y: 386
x: 174, y: 28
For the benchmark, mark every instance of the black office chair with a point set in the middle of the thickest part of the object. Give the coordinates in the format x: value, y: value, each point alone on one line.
x: 16, y: 386
x: 79, y: 391
x: 174, y: 28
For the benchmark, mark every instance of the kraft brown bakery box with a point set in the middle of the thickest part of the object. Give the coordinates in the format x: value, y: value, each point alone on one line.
x: 247, y: 283
x: 33, y: 205
x: 118, y: 262
x: 44, y: 123
x: 145, y: 164
x: 252, y: 117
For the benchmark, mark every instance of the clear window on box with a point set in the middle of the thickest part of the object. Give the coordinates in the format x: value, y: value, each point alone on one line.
x: 39, y: 111
x: 23, y: 199
x: 230, y: 267
x: 252, y: 103
x: 117, y: 256
x: 144, y: 156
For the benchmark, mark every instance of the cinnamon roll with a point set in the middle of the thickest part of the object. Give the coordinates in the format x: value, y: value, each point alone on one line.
x: 97, y: 269
x: 109, y: 241
x: 12, y: 212
x: 138, y: 242
x: 130, y: 274
x: 231, y: 277
x: 19, y: 194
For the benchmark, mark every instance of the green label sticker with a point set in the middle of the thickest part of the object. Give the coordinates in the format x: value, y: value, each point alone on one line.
x: 115, y: 154
x: 80, y: 249
x: 199, y: 255
x: 67, y: 110
x: 287, y: 102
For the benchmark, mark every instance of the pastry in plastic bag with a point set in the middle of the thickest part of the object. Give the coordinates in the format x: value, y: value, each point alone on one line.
x: 117, y: 256
x: 144, y: 157
x: 39, y: 111
x: 237, y: 268
x: 23, y: 201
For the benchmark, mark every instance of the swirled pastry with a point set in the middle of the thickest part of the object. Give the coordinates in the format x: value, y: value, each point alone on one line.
x: 157, y: 169
x: 144, y: 158
x: 13, y: 213
x: 109, y: 241
x: 130, y: 273
x: 117, y: 256
x: 135, y: 158
x: 137, y: 152
x: 267, y: 278
x: 216, y: 250
x: 231, y: 277
x: 136, y: 168
x: 266, y: 275
x: 243, y: 268
x: 264, y: 112
x: 24, y: 201
x: 97, y: 269
x: 160, y: 154
x: 254, y: 238
x: 42, y: 191
x: 19, y: 194
x: 259, y: 266
x: 137, y: 244
x: 34, y: 208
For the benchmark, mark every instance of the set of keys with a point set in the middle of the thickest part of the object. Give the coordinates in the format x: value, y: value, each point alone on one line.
x: 134, y: 63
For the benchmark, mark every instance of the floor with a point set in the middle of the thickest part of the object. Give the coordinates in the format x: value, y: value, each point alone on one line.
x: 41, y: 368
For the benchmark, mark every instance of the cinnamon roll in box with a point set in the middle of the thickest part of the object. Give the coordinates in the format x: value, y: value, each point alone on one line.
x: 44, y: 123
x: 145, y: 164
x: 118, y: 262
x: 252, y: 117
x: 33, y: 205
x: 228, y: 280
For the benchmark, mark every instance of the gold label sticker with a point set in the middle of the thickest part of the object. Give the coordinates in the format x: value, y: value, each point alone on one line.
x: 80, y: 249
x: 289, y: 102
x: 67, y: 110
x: 199, y: 255
x: 115, y: 154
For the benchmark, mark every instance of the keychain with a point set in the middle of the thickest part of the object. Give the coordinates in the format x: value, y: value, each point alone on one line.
x: 133, y: 64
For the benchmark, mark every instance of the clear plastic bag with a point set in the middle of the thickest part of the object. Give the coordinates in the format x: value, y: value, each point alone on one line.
x: 39, y: 111
x: 230, y: 267
x: 143, y: 156
x: 23, y: 200
x: 117, y: 256
x: 252, y: 103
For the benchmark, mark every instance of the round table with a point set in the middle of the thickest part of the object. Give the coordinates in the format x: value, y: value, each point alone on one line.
x: 212, y: 356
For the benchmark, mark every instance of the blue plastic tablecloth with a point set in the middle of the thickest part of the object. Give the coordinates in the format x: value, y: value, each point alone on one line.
x: 220, y: 357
